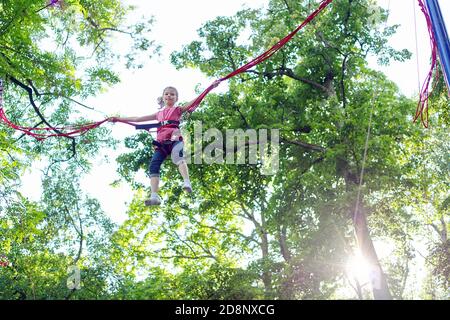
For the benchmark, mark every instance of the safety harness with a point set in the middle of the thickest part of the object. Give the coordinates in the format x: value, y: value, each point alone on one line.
x: 166, y: 146
x: 158, y: 125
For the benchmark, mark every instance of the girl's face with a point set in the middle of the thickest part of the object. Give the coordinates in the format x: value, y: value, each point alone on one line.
x: 170, y: 96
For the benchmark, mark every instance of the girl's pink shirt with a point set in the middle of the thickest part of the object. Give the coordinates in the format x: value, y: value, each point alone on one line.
x: 168, y: 133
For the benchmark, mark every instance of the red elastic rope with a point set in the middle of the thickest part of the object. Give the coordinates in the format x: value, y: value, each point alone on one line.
x: 264, y: 56
x: 68, y: 131
x: 72, y: 131
x: 424, y: 94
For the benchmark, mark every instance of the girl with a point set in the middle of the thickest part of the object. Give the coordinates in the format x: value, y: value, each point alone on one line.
x: 168, y: 140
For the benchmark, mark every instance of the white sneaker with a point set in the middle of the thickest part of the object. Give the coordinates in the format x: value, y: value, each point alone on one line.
x: 187, y: 186
x: 154, y: 200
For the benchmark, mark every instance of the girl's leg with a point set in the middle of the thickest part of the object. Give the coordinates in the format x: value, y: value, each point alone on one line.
x: 178, y: 158
x: 154, y: 184
x: 155, y: 166
x: 183, y: 168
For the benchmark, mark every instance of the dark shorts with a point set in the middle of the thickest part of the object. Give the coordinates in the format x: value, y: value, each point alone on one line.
x: 174, y: 149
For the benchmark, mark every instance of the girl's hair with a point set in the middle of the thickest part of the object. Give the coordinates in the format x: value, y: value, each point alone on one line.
x: 160, y: 100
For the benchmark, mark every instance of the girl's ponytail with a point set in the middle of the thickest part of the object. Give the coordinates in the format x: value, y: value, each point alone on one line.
x: 160, y: 102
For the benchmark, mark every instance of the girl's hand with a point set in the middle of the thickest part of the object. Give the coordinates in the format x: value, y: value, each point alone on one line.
x: 216, y: 83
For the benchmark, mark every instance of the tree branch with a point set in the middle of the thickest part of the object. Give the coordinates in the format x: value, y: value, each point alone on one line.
x: 305, y: 145
x: 235, y: 232
x: 40, y: 115
x: 289, y: 73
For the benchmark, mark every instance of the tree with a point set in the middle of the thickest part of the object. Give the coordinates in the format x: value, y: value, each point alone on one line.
x: 52, y: 57
x: 55, y: 55
x: 320, y: 80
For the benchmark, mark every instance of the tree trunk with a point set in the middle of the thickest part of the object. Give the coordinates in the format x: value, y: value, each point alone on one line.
x: 380, y: 287
x: 264, y: 245
x: 267, y: 276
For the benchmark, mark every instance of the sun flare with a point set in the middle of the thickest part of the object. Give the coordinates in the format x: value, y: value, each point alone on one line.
x: 358, y: 269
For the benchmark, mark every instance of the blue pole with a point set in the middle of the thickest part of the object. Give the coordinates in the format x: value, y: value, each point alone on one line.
x: 441, y: 35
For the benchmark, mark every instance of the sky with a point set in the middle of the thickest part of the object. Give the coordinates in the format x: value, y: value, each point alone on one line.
x: 176, y: 24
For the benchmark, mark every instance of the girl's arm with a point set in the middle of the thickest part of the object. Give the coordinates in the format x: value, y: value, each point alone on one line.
x: 134, y: 119
x: 187, y: 105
